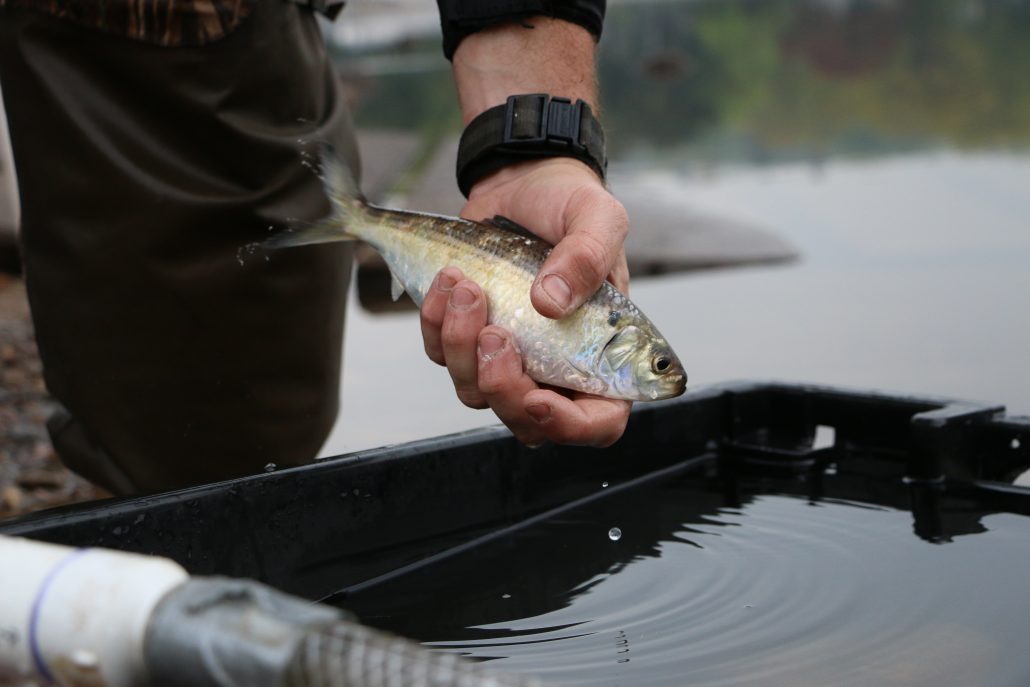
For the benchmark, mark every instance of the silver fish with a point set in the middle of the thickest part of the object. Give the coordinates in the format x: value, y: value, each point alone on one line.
x: 606, y: 347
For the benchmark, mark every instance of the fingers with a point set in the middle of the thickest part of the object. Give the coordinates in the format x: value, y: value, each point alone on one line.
x: 465, y: 317
x: 486, y: 368
x: 503, y: 384
x: 434, y: 308
x: 584, y: 420
x: 535, y: 415
x: 596, y: 227
x: 452, y: 314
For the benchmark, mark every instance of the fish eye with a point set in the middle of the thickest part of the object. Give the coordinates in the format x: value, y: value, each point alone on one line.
x: 660, y: 364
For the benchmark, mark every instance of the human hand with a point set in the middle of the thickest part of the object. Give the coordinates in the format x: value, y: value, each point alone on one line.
x: 565, y: 203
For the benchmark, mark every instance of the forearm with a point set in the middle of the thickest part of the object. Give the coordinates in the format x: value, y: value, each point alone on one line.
x: 554, y: 56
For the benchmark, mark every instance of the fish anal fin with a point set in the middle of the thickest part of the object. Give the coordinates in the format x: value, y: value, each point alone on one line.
x: 396, y: 286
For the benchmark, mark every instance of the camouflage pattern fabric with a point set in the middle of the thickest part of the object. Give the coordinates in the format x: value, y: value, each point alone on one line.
x: 160, y: 22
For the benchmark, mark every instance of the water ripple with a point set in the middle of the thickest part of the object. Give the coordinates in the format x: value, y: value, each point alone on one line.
x: 777, y: 592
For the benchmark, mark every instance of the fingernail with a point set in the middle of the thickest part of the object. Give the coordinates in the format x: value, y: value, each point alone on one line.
x: 462, y: 298
x: 558, y: 290
x: 541, y: 412
x: 445, y: 282
x: 489, y: 345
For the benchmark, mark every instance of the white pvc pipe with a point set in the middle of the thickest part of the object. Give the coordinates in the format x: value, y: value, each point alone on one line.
x: 73, y: 617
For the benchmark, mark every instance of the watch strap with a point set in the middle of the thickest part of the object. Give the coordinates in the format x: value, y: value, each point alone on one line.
x: 527, y: 127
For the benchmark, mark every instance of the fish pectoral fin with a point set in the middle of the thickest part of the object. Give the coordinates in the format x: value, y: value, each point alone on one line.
x: 620, y: 348
x: 396, y: 286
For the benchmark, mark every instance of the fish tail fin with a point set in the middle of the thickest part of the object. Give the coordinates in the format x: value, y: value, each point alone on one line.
x: 348, y: 208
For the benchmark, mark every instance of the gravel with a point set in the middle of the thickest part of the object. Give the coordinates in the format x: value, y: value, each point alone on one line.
x: 31, y: 475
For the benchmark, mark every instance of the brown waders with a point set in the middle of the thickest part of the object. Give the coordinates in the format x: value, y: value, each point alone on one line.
x: 144, y: 170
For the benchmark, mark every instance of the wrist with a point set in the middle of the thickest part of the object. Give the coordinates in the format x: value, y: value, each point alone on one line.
x: 512, y: 174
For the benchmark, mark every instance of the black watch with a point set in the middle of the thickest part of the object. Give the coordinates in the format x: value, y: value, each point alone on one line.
x: 529, y: 127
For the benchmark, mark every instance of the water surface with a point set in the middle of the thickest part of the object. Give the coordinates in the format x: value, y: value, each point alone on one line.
x: 766, y: 587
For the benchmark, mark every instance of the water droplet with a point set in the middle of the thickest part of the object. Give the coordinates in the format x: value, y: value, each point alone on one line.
x: 270, y: 467
x: 505, y: 596
x: 615, y: 534
x: 604, y: 485
x: 1015, y: 444
x: 748, y: 606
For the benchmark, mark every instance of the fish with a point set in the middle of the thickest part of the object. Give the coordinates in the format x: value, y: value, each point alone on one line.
x: 607, y: 347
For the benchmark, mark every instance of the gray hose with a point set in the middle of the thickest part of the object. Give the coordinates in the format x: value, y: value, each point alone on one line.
x: 349, y: 654
x: 219, y: 632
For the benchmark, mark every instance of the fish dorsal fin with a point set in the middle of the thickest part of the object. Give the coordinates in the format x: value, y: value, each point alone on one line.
x: 396, y: 286
x: 502, y: 222
x: 621, y: 347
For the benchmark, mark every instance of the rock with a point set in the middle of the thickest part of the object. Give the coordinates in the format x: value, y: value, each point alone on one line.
x: 10, y: 499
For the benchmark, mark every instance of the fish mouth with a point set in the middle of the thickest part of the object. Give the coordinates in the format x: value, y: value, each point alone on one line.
x: 672, y: 385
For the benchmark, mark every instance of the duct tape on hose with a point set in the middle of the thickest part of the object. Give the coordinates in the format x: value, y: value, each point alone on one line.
x: 218, y: 632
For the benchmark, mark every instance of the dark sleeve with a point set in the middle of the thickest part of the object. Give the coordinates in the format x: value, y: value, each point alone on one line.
x: 459, y: 18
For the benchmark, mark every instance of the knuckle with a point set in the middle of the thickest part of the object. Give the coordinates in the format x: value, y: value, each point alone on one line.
x: 561, y: 433
x: 609, y: 437
x: 454, y: 335
x: 491, y: 385
x: 429, y: 320
x: 614, y: 430
x: 437, y: 357
x: 591, y: 261
x: 434, y: 353
x: 620, y: 217
x: 471, y: 398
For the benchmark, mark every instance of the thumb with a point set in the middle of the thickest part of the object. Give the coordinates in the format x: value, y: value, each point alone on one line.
x: 595, y: 225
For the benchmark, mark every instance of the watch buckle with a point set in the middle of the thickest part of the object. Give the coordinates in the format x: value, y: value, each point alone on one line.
x: 559, y: 121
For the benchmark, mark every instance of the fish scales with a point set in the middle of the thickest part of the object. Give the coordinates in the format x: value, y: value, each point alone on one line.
x: 605, y: 347
x: 417, y: 247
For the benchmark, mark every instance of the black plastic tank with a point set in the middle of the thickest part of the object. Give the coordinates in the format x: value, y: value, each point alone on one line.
x: 746, y: 533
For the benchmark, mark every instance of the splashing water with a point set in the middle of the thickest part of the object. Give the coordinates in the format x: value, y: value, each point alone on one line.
x: 249, y: 250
